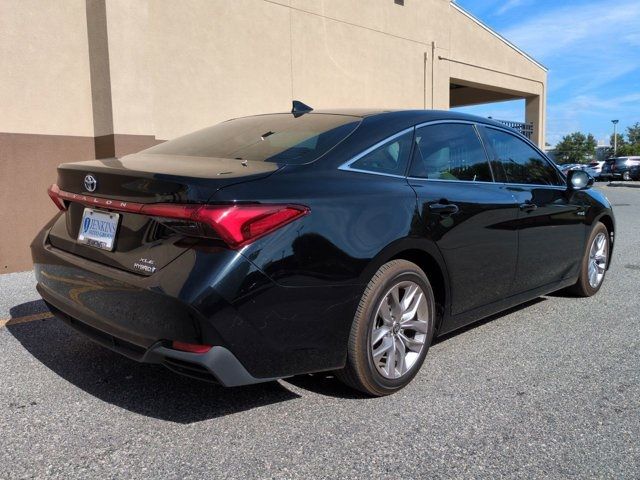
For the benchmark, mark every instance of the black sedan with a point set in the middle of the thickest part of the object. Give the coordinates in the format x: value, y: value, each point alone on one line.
x: 283, y: 244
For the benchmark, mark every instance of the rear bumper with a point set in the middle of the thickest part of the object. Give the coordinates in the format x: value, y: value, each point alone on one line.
x: 259, y: 330
x: 218, y: 365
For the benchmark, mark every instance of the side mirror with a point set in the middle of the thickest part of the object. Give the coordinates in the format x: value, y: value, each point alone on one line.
x: 579, y: 180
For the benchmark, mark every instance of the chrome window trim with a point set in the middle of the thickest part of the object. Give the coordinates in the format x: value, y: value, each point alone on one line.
x: 346, y: 166
x: 476, y: 182
x: 434, y: 122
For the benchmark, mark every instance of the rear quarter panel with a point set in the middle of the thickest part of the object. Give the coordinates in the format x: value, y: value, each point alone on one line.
x: 353, y: 217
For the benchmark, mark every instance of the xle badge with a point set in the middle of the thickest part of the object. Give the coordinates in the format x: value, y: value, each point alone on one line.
x: 145, y: 265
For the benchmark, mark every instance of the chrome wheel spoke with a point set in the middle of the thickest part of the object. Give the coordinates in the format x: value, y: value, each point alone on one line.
x: 409, y: 295
x: 394, y: 302
x: 384, y: 312
x: 412, y: 308
x: 401, y: 355
x: 593, y: 276
x: 411, y: 343
x: 385, y: 346
x: 390, y: 367
x: 415, y: 325
x: 379, y: 333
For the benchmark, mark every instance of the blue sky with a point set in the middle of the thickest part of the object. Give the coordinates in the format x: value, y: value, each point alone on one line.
x: 592, y: 50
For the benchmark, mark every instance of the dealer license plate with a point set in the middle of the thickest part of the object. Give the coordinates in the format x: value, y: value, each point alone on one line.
x: 98, y: 229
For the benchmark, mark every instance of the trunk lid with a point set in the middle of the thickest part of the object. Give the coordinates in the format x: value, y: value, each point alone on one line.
x: 153, y: 178
x: 143, y: 245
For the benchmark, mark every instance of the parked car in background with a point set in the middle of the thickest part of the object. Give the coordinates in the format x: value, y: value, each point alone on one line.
x: 634, y: 172
x: 619, y: 168
x: 291, y: 243
x: 595, y: 168
x: 568, y: 166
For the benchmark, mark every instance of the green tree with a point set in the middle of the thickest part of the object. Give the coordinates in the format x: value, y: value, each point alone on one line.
x: 633, y: 134
x: 632, y: 145
x: 576, y: 148
x: 622, y: 145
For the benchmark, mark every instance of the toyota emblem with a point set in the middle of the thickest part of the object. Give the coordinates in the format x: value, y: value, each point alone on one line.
x: 90, y: 183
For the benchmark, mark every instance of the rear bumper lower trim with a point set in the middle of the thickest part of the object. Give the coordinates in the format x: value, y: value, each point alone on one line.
x: 218, y: 364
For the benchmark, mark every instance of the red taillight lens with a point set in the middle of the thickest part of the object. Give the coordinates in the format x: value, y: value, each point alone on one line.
x: 236, y: 225
x: 190, y: 347
x: 54, y: 194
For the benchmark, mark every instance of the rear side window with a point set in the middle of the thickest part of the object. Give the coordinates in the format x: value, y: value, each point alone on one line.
x: 450, y: 152
x: 390, y: 158
x: 279, y: 138
x: 517, y: 162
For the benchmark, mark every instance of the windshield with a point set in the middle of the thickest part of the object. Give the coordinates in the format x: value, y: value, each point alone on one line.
x: 278, y: 138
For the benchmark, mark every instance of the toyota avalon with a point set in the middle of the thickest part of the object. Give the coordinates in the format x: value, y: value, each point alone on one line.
x: 345, y: 241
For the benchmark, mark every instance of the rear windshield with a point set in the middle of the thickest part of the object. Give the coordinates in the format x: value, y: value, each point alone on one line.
x: 278, y: 138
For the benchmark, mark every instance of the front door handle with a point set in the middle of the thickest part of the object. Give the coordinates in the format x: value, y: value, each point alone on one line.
x: 528, y: 207
x: 443, y: 208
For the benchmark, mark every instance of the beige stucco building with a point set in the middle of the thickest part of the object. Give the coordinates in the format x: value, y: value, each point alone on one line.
x: 83, y: 79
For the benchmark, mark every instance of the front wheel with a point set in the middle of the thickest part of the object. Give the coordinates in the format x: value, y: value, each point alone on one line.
x: 392, y: 330
x: 594, y: 263
x: 626, y: 176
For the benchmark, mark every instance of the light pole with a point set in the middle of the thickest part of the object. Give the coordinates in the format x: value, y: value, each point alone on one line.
x: 615, y: 138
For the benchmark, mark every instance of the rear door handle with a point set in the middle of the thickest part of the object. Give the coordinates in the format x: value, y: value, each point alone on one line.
x: 528, y: 207
x: 443, y: 208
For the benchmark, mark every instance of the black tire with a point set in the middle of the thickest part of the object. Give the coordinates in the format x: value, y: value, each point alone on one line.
x: 583, y: 288
x: 359, y: 371
x: 626, y: 176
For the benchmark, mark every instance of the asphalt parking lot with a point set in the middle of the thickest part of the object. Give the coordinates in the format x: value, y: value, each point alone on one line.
x: 551, y: 389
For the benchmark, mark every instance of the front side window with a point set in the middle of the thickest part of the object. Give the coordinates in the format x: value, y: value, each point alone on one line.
x: 450, y: 151
x: 390, y: 158
x: 517, y: 162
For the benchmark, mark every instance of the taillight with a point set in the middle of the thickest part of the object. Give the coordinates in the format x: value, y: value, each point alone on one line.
x: 54, y: 194
x: 190, y: 347
x: 236, y: 225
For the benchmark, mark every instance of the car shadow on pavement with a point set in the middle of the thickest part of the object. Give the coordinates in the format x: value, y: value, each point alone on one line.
x: 625, y: 185
x: 486, y: 320
x: 154, y: 391
x: 150, y: 390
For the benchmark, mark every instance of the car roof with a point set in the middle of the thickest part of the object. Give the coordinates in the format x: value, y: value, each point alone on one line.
x: 410, y: 116
x: 402, y: 116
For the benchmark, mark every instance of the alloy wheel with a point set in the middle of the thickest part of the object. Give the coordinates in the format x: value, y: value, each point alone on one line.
x: 598, y: 260
x: 399, y: 331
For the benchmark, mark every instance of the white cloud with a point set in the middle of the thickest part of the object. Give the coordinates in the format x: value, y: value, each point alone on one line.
x: 511, y: 4
x: 570, y: 27
x: 572, y: 114
x: 594, y: 59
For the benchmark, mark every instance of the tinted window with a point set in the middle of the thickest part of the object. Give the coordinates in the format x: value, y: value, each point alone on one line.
x: 280, y: 138
x: 518, y: 162
x: 391, y: 157
x: 450, y: 151
x: 621, y: 162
